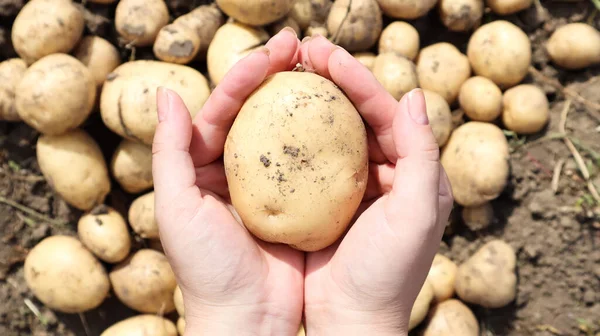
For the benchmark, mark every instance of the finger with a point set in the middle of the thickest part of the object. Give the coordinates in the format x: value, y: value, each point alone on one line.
x: 375, y: 153
x: 381, y: 178
x: 284, y: 50
x: 212, y: 177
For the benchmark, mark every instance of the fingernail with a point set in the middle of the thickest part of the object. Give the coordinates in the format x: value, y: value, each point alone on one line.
x: 264, y: 50
x: 163, y: 103
x: 306, y: 39
x: 336, y: 47
x: 416, y: 107
x: 290, y: 29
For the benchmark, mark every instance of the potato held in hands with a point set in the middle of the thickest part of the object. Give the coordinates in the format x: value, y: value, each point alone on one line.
x: 296, y: 161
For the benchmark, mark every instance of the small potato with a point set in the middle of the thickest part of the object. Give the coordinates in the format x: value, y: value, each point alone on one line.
x: 480, y: 99
x: 526, y: 109
x: 507, y: 7
x: 131, y: 165
x: 397, y: 74
x: 488, y: 277
x: 99, y: 56
x: 443, y: 69
x: 574, y: 46
x: 406, y: 9
x: 104, y: 232
x: 65, y: 276
x: 316, y: 30
x: 476, y: 161
x: 451, y: 318
x: 45, y: 27
x: 365, y: 58
x: 500, y: 51
x: 461, y: 15
x: 301, y: 330
x: 139, y: 21
x: 56, y: 94
x: 142, y: 325
x: 457, y: 118
x: 181, y: 325
x: 74, y: 166
x: 442, y: 276
x: 286, y: 22
x: 232, y: 42
x: 478, y: 217
x: 402, y: 38
x: 355, y: 25
x: 141, y: 216
x: 178, y: 300
x: 205, y: 20
x: 421, y: 305
x: 256, y: 12
x: 11, y: 72
x: 145, y: 282
x: 307, y: 12
x: 176, y: 44
x: 440, y: 116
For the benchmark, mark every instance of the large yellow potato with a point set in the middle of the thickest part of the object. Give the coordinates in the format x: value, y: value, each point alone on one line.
x: 232, y: 42
x: 74, y: 167
x: 488, y: 277
x: 142, y: 325
x: 402, y: 38
x: 443, y: 69
x: 500, y: 51
x: 478, y: 217
x: 45, y: 27
x: 99, y: 55
x: 145, y: 282
x: 256, y: 12
x: 176, y: 43
x: 141, y: 216
x: 451, y: 318
x: 56, y: 94
x: 421, y: 305
x: 65, y: 276
x: 406, y: 9
x: 480, y: 99
x: 526, y: 109
x: 296, y: 161
x: 128, y: 99
x: 355, y: 25
x: 439, y: 115
x: 307, y: 12
x: 104, y: 232
x: 396, y: 73
x: 205, y: 20
x: 11, y: 72
x: 139, y: 21
x: 442, y: 276
x: 131, y: 165
x: 461, y: 15
x: 506, y: 7
x: 574, y: 46
x: 476, y: 161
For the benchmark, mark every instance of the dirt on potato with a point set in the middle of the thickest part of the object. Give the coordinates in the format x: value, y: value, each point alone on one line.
x: 556, y: 234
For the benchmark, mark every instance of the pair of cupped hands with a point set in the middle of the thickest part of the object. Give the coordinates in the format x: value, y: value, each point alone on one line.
x: 235, y: 284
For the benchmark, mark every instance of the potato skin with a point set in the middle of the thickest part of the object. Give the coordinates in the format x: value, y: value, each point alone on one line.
x: 307, y: 12
x: 181, y: 325
x: 65, y: 276
x: 506, y: 7
x: 402, y: 38
x: 56, y: 94
x: 128, y: 98
x: 451, y: 318
x: 131, y: 165
x: 45, y: 27
x: 11, y: 72
x: 366, y: 58
x: 574, y: 46
x: 439, y: 115
x: 176, y: 43
x: 297, y: 165
x: 139, y: 21
x: 500, y: 51
x: 141, y: 216
x: 361, y: 27
x: 442, y: 276
x: 104, y: 232
x: 421, y: 305
x: 406, y: 9
x: 256, y: 12
x: 99, y: 56
x: 476, y: 161
x: 145, y: 282
x: 205, y: 20
x: 526, y: 109
x: 397, y: 74
x: 478, y: 217
x: 461, y: 15
x: 142, y: 325
x: 480, y: 99
x: 178, y: 300
x: 74, y: 166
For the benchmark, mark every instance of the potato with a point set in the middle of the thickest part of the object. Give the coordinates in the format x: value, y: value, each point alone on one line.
x: 476, y: 161
x: 421, y: 305
x: 439, y: 115
x: 316, y: 30
x: 366, y: 58
x: 488, y: 277
x: 277, y: 26
x: 451, y: 318
x: 176, y: 44
x: 480, y: 99
x: 142, y: 325
x: 105, y: 233
x: 478, y: 217
x: 139, y: 21
x: 443, y: 69
x: 178, y: 301
x: 181, y: 325
x: 56, y: 94
x: 11, y: 72
x: 204, y: 20
x: 307, y: 12
x: 74, y: 167
x: 128, y: 99
x: 526, y: 109
x: 397, y: 74
x: 256, y: 12
x: 301, y: 330
x: 131, y: 165
x: 406, y: 9
x: 457, y: 118
x: 145, y: 282
x: 355, y: 25
x: 500, y: 51
x: 506, y: 7
x: 141, y: 216
x: 442, y: 275
x: 296, y: 161
x: 102, y: 1
x: 65, y: 276
x: 99, y: 56
x: 402, y: 38
x: 45, y: 27
x: 461, y: 15
x: 232, y: 42
x: 574, y: 46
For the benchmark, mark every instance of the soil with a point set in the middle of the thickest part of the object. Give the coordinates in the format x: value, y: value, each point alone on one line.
x: 555, y: 234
